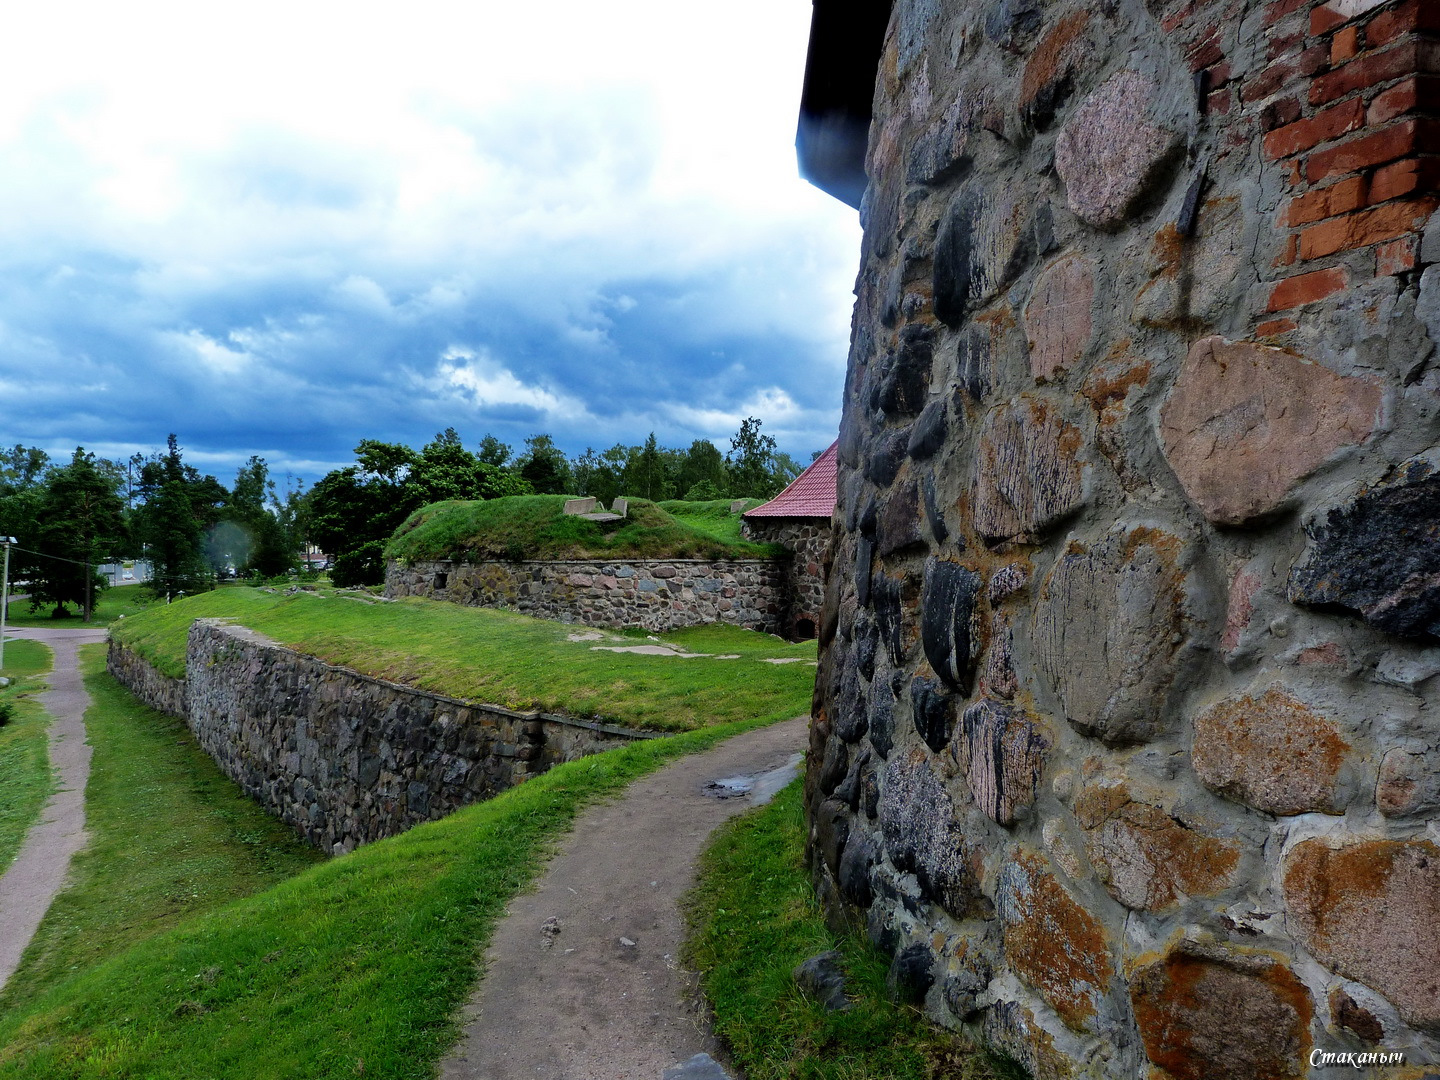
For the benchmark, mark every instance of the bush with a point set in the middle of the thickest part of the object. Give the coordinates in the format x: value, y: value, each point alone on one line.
x: 6, y: 711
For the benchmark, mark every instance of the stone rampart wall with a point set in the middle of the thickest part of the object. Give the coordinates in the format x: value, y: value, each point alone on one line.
x: 344, y: 757
x: 654, y: 594
x: 807, y: 540
x: 1126, y: 743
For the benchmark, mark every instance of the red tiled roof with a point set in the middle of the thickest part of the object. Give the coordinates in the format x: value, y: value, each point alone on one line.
x: 811, y: 494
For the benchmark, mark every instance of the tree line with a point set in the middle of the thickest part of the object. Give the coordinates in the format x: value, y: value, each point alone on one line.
x: 69, y: 518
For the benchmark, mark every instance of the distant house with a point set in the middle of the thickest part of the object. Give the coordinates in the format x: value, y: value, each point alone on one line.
x: 799, y: 519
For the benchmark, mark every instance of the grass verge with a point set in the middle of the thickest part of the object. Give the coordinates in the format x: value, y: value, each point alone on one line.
x: 712, y: 518
x: 536, y: 527
x: 353, y: 967
x: 499, y: 657
x: 111, y: 604
x: 25, y: 777
x: 752, y: 919
x: 170, y: 838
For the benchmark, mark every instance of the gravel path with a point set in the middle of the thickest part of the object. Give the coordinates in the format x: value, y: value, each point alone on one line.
x: 38, y: 872
x: 582, y: 979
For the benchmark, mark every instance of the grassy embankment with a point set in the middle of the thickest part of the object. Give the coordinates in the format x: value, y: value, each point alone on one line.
x: 353, y: 967
x: 25, y: 777
x: 535, y: 527
x: 499, y: 657
x: 752, y: 919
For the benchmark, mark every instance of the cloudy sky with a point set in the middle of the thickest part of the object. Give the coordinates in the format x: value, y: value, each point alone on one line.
x: 281, y: 228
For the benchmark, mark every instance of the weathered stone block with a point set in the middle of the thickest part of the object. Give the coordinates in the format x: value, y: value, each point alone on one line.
x: 932, y: 708
x: 1057, y: 318
x: 1147, y: 859
x: 1271, y: 752
x: 947, y: 620
x: 1368, y: 909
x: 1029, y: 474
x: 983, y: 242
x: 1052, y: 942
x: 1001, y: 751
x: 882, y: 716
x: 1245, y: 423
x: 900, y: 520
x: 923, y: 835
x: 1110, y: 628
x: 1108, y: 154
x: 1378, y: 555
x: 1207, y: 1015
x: 1409, y: 782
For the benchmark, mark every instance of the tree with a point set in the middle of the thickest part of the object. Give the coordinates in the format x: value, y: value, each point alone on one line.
x: 702, y: 469
x: 544, y: 466
x: 494, y: 452
x: 81, y: 522
x: 750, y: 463
x: 646, y: 477
x: 180, y: 505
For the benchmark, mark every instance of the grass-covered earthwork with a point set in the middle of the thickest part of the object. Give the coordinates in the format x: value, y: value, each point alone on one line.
x: 752, y: 919
x: 355, y: 967
x: 536, y: 527
x: 25, y: 778
x: 499, y: 657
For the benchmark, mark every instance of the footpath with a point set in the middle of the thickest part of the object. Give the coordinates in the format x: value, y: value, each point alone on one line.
x: 582, y: 978
x: 39, y: 870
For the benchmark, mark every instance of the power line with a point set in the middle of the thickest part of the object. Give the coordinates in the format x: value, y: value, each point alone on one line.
x: 46, y: 555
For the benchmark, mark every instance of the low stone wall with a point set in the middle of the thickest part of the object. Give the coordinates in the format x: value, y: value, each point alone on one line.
x: 344, y: 757
x: 653, y: 594
x: 135, y: 673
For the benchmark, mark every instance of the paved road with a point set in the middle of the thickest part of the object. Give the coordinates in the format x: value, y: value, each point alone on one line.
x: 39, y: 871
x: 582, y: 979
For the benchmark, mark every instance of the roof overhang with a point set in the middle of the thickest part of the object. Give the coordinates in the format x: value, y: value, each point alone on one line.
x: 846, y: 38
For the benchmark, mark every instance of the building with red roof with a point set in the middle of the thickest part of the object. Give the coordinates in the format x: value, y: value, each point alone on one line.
x: 799, y: 519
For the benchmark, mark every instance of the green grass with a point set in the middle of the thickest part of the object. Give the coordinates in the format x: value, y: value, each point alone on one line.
x: 752, y: 919
x: 353, y: 967
x: 535, y: 527
x: 481, y: 654
x: 713, y: 518
x: 170, y: 838
x: 25, y: 777
x: 110, y: 605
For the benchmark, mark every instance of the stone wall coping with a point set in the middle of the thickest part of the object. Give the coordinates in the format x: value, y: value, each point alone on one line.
x: 773, y: 561
x: 235, y: 629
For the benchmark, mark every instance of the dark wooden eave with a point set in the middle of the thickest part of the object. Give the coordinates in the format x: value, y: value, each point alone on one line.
x: 846, y: 38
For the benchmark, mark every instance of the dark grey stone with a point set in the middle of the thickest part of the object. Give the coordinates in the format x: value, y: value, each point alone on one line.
x: 912, y: 973
x: 1379, y: 555
x: 855, y: 866
x: 947, y: 613
x: 962, y: 990
x: 935, y: 515
x: 848, y: 790
x: 899, y: 521
x: 982, y: 244
x: 885, y: 601
x: 933, y: 710
x: 927, y: 434
x: 870, y: 794
x: 832, y: 829
x: 886, y: 455
x: 882, y: 716
x: 973, y: 363
x: 849, y: 705
x: 821, y: 977
x: 864, y: 564
x: 906, y: 383
x: 865, y: 642
x: 833, y: 766
x: 1010, y: 24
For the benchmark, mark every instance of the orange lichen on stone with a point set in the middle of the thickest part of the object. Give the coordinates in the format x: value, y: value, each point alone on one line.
x: 1272, y: 752
x: 1369, y: 910
x: 1053, y: 57
x: 1052, y: 942
x: 1223, y: 1016
x: 1149, y: 860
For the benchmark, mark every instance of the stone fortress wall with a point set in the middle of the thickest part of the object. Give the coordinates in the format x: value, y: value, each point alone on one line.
x: 655, y: 594
x: 807, y: 540
x: 343, y: 757
x: 1126, y: 743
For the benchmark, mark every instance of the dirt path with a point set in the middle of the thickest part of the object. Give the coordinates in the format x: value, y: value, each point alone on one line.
x: 582, y: 979
x: 38, y: 872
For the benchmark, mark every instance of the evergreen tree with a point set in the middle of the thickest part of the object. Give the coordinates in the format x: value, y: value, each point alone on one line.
x: 750, y: 463
x: 81, y: 522
x: 702, y: 472
x: 179, y: 506
x: 544, y: 467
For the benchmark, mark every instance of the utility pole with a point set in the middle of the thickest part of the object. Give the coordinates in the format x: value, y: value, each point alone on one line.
x: 5, y: 597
